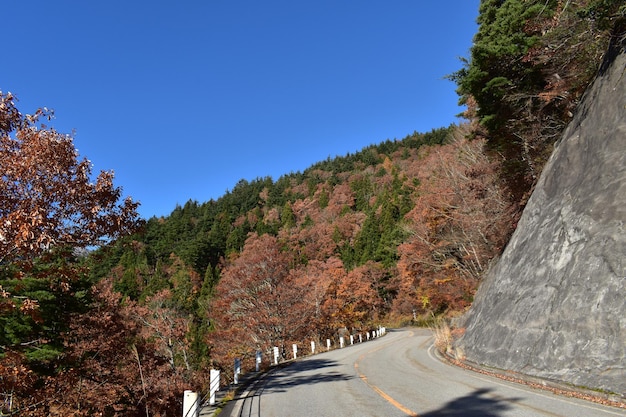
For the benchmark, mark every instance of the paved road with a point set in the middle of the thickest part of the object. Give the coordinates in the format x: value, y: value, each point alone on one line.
x: 397, y: 375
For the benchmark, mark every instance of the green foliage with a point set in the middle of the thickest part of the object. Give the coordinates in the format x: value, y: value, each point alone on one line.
x: 323, y: 198
x: 307, y: 222
x: 363, y: 190
x: 604, y: 12
x: 382, y: 230
x: 496, y: 66
x: 182, y: 254
x: 237, y: 237
x: 287, y: 217
x: 43, y: 296
x: 367, y: 241
x: 183, y: 298
x: 530, y: 63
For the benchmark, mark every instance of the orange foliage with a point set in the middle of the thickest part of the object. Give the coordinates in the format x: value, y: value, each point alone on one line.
x: 49, y: 198
x: 351, y: 300
x: 456, y: 228
x: 256, y: 306
x: 112, y: 366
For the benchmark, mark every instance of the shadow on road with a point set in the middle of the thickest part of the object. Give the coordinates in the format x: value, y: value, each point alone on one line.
x: 284, y: 379
x: 476, y: 404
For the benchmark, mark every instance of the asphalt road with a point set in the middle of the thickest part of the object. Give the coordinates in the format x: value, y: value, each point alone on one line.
x: 397, y: 375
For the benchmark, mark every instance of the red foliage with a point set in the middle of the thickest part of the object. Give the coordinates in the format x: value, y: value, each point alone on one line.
x: 48, y: 196
x: 112, y: 366
x: 311, y: 243
x: 340, y: 198
x: 316, y: 278
x: 256, y: 303
x: 351, y: 298
x: 262, y: 303
x: 123, y: 357
x: 456, y: 227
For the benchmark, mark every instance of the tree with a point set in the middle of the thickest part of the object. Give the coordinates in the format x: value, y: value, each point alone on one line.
x: 351, y: 298
x: 496, y: 66
x: 460, y: 221
x: 120, y: 360
x: 255, y: 304
x: 48, y: 199
x: 51, y: 211
x: 47, y: 195
x: 37, y: 303
x: 530, y: 63
x: 167, y: 328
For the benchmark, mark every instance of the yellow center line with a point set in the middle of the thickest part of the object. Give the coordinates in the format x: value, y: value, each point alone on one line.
x: 380, y: 392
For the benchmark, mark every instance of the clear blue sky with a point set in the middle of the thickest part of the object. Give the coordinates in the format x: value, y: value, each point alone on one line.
x: 182, y: 99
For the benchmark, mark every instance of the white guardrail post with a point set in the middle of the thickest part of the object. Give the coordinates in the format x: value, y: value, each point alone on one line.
x: 275, y: 355
x: 190, y: 404
x: 214, y: 385
x: 236, y: 371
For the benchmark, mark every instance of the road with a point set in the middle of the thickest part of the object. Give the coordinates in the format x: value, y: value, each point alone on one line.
x: 397, y: 375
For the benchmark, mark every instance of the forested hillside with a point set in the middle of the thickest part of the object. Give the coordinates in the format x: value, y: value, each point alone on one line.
x: 399, y: 232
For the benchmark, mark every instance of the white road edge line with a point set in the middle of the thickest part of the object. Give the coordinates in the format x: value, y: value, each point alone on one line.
x: 522, y: 388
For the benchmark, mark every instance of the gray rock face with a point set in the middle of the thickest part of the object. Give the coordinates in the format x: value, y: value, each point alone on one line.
x: 554, y: 305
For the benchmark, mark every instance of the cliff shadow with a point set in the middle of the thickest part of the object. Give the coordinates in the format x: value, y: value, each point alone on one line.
x: 476, y: 404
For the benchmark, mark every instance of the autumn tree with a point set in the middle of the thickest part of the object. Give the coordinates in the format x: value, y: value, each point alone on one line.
x: 255, y: 305
x: 352, y: 300
x: 316, y: 278
x: 51, y: 210
x: 460, y: 221
x: 48, y: 196
x: 167, y: 327
x: 130, y: 368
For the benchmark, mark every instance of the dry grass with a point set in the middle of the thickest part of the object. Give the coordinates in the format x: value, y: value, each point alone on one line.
x: 443, y: 336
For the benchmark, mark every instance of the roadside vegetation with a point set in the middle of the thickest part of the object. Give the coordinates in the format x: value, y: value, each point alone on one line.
x: 400, y: 232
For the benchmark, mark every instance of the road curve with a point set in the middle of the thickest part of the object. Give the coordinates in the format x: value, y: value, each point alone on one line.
x: 397, y: 375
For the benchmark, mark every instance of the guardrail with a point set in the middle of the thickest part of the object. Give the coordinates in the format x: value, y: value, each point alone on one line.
x: 192, y: 401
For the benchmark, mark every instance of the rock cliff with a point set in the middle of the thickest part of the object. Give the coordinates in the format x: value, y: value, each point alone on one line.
x: 554, y: 305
